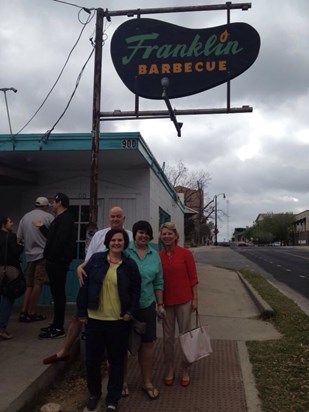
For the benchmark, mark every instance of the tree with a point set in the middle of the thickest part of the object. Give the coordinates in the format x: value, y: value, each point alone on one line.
x: 275, y: 227
x: 193, y: 185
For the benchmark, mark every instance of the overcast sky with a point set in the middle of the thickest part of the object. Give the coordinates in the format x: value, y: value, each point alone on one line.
x: 259, y: 160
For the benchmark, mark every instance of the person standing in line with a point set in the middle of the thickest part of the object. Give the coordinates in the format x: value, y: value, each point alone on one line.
x: 151, y: 300
x: 116, y: 219
x: 35, y: 273
x: 58, y: 252
x: 179, y: 297
x: 105, y: 304
x: 10, y: 252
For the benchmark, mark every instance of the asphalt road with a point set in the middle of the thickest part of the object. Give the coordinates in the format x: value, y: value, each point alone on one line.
x: 286, y: 267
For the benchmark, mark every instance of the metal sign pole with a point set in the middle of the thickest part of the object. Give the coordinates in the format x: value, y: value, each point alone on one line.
x: 93, y: 204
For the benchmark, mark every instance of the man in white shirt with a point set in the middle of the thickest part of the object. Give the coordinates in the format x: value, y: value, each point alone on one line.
x: 116, y: 220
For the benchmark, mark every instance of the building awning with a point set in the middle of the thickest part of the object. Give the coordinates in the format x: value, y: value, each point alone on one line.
x: 189, y: 211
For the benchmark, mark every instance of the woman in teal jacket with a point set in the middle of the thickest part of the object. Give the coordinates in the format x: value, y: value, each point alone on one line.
x: 151, y: 300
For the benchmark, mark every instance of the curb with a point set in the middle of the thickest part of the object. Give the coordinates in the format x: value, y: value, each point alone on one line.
x: 266, y: 311
x: 42, y: 383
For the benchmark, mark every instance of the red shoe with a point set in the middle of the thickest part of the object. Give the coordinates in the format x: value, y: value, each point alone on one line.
x: 55, y: 358
x: 185, y: 382
x: 169, y: 381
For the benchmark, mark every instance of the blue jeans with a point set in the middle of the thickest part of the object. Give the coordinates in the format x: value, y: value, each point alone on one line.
x: 113, y: 337
x: 6, y: 306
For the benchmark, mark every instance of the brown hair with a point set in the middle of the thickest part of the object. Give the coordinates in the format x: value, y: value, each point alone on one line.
x: 112, y: 232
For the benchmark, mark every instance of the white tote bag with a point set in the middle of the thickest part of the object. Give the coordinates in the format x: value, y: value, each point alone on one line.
x: 195, y: 343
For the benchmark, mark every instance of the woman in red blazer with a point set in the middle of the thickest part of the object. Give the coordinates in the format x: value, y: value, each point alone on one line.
x: 179, y: 296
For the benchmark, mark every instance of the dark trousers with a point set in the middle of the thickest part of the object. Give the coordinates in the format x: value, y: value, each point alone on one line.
x: 111, y: 336
x: 57, y: 275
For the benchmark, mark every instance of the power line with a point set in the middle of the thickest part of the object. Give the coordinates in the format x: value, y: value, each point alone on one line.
x: 47, y: 134
x: 61, y: 71
x: 72, y: 4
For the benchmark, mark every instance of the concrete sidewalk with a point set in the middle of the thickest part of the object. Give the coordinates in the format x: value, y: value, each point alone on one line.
x: 223, y: 382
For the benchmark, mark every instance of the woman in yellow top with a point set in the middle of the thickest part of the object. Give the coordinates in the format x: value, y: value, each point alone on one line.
x: 106, y: 303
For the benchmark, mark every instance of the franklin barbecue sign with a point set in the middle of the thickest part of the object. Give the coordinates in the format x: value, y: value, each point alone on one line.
x: 146, y: 50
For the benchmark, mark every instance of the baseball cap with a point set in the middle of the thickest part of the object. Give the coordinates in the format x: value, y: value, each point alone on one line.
x: 61, y: 197
x: 41, y: 201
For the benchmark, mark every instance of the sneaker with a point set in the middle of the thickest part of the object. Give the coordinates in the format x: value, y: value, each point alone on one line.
x: 47, y: 328
x: 5, y: 335
x: 92, y: 402
x: 52, y: 333
x: 111, y: 408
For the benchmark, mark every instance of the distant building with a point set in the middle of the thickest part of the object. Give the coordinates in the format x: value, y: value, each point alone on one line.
x: 194, y: 225
x: 239, y: 234
x: 301, y: 228
x: 262, y: 216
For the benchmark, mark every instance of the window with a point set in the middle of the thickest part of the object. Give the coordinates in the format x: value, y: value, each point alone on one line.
x: 81, y: 219
x: 163, y: 217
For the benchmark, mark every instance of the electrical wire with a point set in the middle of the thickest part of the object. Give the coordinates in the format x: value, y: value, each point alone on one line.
x: 90, y: 17
x: 47, y: 134
x: 69, y: 4
x: 45, y: 137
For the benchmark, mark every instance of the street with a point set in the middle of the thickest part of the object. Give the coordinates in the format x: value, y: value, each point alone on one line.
x: 286, y: 267
x: 287, y: 264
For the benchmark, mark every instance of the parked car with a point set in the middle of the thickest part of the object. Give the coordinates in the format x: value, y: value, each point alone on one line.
x: 275, y: 244
x: 245, y: 244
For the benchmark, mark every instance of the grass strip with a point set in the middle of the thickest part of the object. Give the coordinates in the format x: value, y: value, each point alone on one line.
x: 281, y: 367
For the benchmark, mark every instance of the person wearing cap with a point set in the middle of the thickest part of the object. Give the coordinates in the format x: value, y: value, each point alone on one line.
x: 151, y: 301
x: 58, y: 252
x: 34, y: 242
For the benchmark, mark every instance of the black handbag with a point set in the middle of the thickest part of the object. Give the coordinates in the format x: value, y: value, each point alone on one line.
x: 13, y: 284
x: 137, y: 329
x: 15, y: 288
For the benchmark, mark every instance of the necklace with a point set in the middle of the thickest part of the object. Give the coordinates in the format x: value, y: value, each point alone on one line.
x: 110, y: 260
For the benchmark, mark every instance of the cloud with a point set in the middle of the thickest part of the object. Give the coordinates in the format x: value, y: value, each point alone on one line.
x: 259, y: 159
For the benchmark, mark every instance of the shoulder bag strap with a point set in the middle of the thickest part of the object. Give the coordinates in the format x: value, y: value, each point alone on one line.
x: 197, y: 319
x: 6, y: 253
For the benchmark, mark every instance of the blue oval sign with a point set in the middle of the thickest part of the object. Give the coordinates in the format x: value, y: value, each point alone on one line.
x: 146, y: 50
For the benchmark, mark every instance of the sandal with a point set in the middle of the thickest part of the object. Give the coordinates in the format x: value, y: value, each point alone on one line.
x: 55, y: 358
x: 125, y: 390
x: 151, y: 392
x: 24, y: 317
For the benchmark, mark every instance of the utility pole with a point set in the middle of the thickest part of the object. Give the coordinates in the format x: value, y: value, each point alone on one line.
x: 4, y: 90
x: 95, y: 149
x: 216, y: 217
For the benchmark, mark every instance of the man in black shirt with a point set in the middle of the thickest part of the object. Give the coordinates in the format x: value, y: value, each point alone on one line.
x: 58, y: 252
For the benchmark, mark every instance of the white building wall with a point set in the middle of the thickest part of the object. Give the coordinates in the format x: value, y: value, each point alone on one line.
x: 139, y: 192
x: 128, y: 189
x: 161, y: 198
